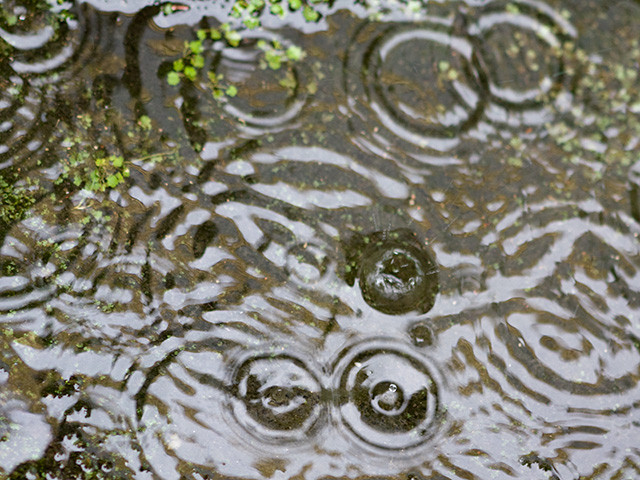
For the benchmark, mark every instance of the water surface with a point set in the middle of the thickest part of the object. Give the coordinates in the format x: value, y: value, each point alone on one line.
x: 413, y: 254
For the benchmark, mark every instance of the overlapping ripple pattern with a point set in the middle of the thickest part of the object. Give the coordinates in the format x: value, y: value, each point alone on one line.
x: 412, y: 254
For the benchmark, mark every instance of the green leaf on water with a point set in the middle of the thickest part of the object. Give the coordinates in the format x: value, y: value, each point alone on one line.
x: 173, y: 78
x: 197, y: 61
x: 112, y: 181
x: 232, y: 37
x: 251, y: 23
x: 119, y: 160
x: 145, y: 123
x: 294, y: 53
x: 274, y: 59
x: 195, y: 46
x: 178, y: 65
x: 237, y: 10
x: 310, y: 15
x: 190, y: 73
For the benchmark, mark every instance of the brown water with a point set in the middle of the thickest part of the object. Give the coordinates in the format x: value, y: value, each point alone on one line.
x: 411, y: 255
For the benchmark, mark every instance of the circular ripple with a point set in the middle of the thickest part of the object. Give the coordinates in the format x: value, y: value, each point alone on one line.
x: 391, y: 395
x: 277, y: 397
x: 397, y: 275
x: 266, y: 98
x: 418, y: 81
x: 48, y: 45
x: 521, y: 56
x: 53, y: 44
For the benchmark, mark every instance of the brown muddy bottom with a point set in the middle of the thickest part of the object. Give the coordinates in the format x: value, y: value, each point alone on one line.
x: 412, y: 254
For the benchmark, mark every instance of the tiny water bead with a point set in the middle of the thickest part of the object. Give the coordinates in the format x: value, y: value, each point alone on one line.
x: 421, y: 334
x: 397, y: 275
x: 392, y: 395
x: 277, y: 397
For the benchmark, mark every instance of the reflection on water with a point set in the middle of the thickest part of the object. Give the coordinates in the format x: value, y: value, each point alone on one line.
x: 411, y: 254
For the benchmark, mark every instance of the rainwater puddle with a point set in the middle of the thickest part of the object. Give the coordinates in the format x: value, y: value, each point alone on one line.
x: 387, y: 242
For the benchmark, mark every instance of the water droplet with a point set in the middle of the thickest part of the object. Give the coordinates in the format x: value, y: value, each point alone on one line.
x: 421, y: 335
x: 397, y: 275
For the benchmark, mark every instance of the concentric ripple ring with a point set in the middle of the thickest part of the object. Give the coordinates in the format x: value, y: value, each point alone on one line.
x: 521, y: 55
x: 267, y: 99
x: 277, y: 398
x: 418, y: 82
x: 391, y: 395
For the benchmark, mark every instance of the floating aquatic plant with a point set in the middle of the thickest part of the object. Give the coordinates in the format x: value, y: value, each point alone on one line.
x: 189, y: 65
x: 97, y: 174
x: 249, y: 11
x: 192, y: 61
x: 14, y: 201
x: 275, y: 55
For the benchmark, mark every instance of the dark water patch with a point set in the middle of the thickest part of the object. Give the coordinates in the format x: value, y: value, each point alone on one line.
x: 205, y: 234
